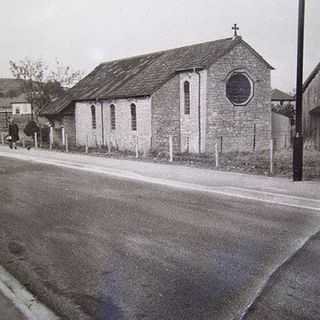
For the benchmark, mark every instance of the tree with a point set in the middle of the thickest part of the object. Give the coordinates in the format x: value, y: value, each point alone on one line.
x: 43, y: 84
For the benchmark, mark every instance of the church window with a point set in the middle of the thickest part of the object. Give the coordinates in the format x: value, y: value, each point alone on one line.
x: 239, y: 88
x: 133, y: 117
x: 17, y: 110
x: 93, y: 117
x: 186, y: 90
x: 113, y: 117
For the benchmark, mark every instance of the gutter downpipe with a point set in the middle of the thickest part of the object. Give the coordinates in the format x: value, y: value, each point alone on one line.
x: 199, y: 106
x: 102, y: 123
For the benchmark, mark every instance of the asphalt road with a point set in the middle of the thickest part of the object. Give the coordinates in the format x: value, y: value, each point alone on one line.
x: 95, y: 247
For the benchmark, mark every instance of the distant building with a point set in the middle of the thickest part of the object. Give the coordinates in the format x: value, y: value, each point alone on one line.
x: 282, y: 119
x: 21, y: 108
x: 13, y: 103
x: 311, y: 108
x: 281, y: 98
x: 197, y: 94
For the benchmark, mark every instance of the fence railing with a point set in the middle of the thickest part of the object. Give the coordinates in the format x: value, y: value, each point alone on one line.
x: 224, y: 150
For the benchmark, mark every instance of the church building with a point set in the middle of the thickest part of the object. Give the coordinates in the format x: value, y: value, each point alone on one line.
x: 197, y: 94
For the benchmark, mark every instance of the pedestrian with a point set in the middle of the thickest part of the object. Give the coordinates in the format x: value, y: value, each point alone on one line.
x: 13, y: 134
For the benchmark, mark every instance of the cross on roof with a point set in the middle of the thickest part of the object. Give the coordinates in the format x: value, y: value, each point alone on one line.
x: 235, y: 28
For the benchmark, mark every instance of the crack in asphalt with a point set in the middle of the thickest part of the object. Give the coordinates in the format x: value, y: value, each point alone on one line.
x: 270, y: 277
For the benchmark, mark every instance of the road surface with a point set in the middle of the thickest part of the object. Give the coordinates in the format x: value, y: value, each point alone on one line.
x: 95, y: 247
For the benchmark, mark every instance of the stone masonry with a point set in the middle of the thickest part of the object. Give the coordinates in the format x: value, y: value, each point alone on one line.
x: 311, y: 112
x: 166, y: 116
x: 122, y: 137
x: 155, y: 84
x: 235, y: 124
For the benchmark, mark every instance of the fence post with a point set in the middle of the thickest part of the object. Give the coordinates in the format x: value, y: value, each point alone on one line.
x: 285, y: 141
x: 67, y: 144
x: 50, y: 138
x: 271, y: 156
x: 137, y: 147
x: 23, y: 143
x: 87, y: 144
x: 217, y: 154
x: 35, y: 140
x: 221, y: 144
x: 63, y: 135
x: 2, y: 137
x: 254, y: 136
x: 170, y: 148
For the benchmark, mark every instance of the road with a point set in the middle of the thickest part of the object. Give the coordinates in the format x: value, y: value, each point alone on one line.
x: 96, y: 247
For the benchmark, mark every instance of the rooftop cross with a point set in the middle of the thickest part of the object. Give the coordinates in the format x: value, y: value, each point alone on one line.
x: 235, y: 28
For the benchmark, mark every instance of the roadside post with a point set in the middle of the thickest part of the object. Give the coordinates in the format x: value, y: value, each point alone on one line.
x: 137, y: 147
x: 254, y: 137
x: 66, y: 142
x: 217, y: 154
x: 170, y: 148
x: 297, y: 162
x: 23, y: 143
x: 271, y: 156
x: 63, y: 135
x: 87, y: 144
x: 35, y: 140
x: 2, y: 137
x: 50, y: 138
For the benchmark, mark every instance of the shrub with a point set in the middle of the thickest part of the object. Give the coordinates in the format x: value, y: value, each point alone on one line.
x: 31, y: 128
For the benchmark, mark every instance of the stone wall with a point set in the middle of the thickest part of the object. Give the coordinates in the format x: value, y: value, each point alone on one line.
x: 166, y: 116
x: 122, y: 137
x: 311, y: 112
x: 68, y: 122
x: 281, y: 131
x: 190, y: 122
x: 235, y: 124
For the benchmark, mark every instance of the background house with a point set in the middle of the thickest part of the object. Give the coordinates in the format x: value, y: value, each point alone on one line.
x: 198, y: 94
x: 13, y: 102
x: 282, y: 119
x: 21, y: 108
x: 311, y: 108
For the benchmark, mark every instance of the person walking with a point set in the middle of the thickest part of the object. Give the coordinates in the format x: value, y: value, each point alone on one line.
x: 13, y: 134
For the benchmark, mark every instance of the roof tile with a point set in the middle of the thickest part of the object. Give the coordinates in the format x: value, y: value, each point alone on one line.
x: 142, y: 75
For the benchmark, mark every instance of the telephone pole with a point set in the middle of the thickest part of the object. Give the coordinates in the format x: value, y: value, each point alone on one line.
x: 298, y: 139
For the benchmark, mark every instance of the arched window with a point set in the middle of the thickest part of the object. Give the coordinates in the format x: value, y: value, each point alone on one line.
x: 186, y: 90
x: 133, y: 117
x: 113, y: 117
x: 93, y: 117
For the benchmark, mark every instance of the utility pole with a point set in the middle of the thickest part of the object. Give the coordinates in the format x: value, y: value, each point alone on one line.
x: 298, y: 139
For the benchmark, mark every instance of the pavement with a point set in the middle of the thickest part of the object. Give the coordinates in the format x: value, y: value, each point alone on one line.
x: 143, y: 170
x: 290, y: 288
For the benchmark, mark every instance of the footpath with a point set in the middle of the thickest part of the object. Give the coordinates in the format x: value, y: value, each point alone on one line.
x: 235, y: 184
x: 293, y: 290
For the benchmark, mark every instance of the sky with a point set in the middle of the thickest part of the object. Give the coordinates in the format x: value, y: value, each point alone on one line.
x: 84, y: 33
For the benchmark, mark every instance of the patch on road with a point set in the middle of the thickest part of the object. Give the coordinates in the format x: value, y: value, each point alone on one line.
x: 16, y: 248
x: 98, y: 308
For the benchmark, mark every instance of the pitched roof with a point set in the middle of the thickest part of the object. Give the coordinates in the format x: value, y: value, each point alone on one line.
x: 143, y: 75
x: 278, y: 95
x: 312, y: 75
x: 11, y: 90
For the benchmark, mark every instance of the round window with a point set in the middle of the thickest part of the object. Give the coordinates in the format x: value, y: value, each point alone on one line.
x: 239, y: 88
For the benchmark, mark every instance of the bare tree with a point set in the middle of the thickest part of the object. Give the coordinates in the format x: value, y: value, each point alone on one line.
x: 41, y: 83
